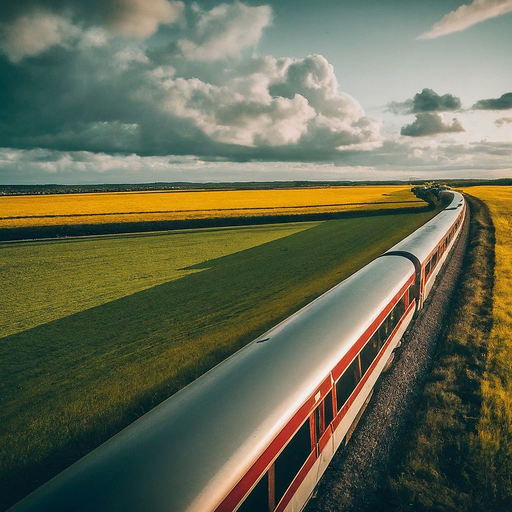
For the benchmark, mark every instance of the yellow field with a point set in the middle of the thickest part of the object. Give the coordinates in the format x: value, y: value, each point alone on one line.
x: 101, y: 208
x: 495, y: 426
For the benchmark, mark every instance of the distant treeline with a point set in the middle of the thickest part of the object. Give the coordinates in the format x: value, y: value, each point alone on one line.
x: 504, y: 182
x: 175, y: 186
x: 256, y: 185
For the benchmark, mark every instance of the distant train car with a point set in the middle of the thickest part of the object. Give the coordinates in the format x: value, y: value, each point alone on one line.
x: 255, y: 433
x: 429, y: 245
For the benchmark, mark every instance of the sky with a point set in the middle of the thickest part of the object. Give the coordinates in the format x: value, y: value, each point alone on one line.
x: 140, y: 91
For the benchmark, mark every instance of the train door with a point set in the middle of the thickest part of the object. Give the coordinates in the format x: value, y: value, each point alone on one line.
x: 321, y: 424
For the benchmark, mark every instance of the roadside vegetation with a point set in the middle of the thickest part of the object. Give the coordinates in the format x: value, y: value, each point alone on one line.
x: 69, y: 383
x: 136, y: 207
x: 459, y: 456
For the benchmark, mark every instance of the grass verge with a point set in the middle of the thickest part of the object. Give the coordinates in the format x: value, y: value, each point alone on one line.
x: 445, y: 466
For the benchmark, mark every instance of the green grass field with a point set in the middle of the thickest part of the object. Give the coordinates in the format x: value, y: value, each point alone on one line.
x: 98, y: 331
x: 44, y: 281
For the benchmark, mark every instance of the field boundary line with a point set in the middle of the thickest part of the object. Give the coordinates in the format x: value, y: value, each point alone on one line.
x: 75, y: 230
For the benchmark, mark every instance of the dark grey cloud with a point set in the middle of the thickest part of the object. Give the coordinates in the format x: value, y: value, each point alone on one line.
x: 97, y: 93
x: 430, y: 124
x: 504, y: 102
x: 426, y: 101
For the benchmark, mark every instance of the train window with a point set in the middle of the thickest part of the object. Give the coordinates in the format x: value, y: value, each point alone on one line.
x: 400, y: 309
x: 389, y: 323
x: 257, y: 501
x: 369, y: 352
x: 427, y: 269
x: 391, y: 320
x: 384, y: 330
x: 328, y: 409
x: 434, y: 260
x: 347, y: 383
x: 376, y: 339
x: 319, y: 427
x: 413, y: 292
x: 291, y: 459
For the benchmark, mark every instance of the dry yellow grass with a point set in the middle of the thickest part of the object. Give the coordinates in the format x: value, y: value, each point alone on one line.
x: 101, y: 208
x: 495, y: 424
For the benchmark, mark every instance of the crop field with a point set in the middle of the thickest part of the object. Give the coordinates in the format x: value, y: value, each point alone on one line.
x: 494, y: 430
x: 96, y: 331
x: 119, y: 207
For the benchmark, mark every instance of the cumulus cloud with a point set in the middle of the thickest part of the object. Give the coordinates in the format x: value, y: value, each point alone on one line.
x: 504, y: 102
x: 33, y: 33
x: 503, y: 120
x: 426, y: 101
x: 224, y: 31
x: 86, y: 90
x: 141, y: 18
x: 30, y: 27
x: 430, y: 124
x: 112, y: 95
x: 272, y: 103
x: 468, y: 15
x: 36, y: 166
x: 339, y: 119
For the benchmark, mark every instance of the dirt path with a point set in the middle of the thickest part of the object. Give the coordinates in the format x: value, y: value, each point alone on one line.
x: 357, y: 474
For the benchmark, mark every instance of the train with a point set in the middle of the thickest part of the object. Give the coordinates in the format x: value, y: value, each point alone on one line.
x: 256, y: 433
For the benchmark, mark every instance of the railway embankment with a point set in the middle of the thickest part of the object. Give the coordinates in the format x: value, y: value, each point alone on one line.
x: 411, y: 450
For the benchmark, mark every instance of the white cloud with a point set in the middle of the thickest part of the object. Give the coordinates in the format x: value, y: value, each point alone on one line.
x: 122, y: 96
x: 403, y: 160
x: 275, y: 102
x: 93, y: 38
x: 468, y: 15
x: 502, y: 121
x: 340, y: 120
x: 224, y: 31
x: 142, y: 18
x: 33, y: 33
x: 30, y: 31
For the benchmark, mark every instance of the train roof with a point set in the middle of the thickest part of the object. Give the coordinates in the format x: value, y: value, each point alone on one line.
x: 424, y: 240
x: 190, y: 451
x: 456, y: 202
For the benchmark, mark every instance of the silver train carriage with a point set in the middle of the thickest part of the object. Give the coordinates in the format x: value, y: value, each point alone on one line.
x: 429, y: 245
x: 255, y: 433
